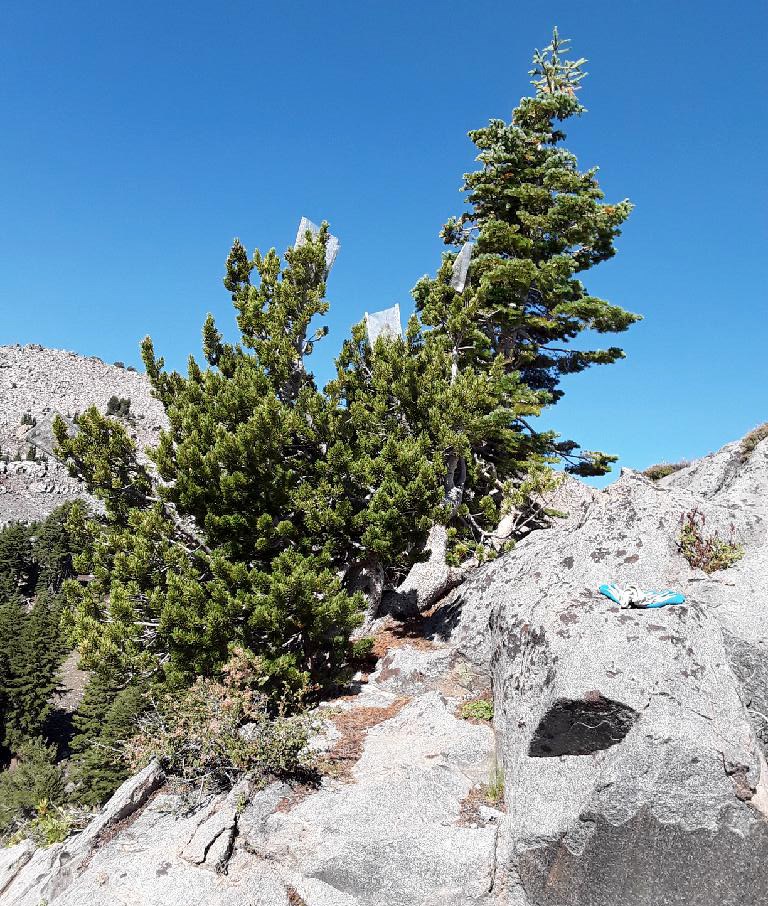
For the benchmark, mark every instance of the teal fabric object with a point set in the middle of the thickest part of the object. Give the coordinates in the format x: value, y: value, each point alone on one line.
x: 632, y: 596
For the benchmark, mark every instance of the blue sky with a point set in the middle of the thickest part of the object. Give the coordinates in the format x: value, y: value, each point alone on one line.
x: 139, y: 138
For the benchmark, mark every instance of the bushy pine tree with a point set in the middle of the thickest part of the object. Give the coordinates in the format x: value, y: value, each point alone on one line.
x: 275, y: 501
x: 220, y: 551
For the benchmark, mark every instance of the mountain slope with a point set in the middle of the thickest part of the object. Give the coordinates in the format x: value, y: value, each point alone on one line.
x: 35, y: 384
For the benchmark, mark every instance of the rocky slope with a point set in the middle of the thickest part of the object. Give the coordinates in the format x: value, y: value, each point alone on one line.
x: 632, y: 742
x: 36, y: 383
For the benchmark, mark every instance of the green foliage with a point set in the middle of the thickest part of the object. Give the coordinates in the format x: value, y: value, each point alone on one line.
x: 27, y: 419
x: 35, y: 560
x: 704, y: 551
x: 274, y: 502
x: 363, y: 648
x: 48, y: 825
x: 119, y: 407
x: 493, y: 791
x: 215, y: 731
x: 104, y: 722
x: 35, y: 779
x: 226, y: 550
x: 32, y: 655
x: 662, y: 469
x: 479, y: 709
x: 104, y: 456
x: 17, y: 563
x: 476, y: 366
x: 751, y: 440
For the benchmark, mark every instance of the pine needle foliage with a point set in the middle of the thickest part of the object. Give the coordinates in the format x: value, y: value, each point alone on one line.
x: 269, y: 502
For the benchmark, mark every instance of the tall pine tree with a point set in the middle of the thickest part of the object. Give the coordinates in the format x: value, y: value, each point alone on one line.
x: 276, y: 501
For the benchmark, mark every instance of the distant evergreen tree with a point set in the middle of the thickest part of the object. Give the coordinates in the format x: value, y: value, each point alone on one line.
x: 34, y: 562
x: 34, y: 656
x: 35, y: 778
x: 106, y: 718
x: 54, y: 548
x: 18, y: 575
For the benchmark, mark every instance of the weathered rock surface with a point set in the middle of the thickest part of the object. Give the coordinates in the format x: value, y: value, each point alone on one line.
x: 631, y: 738
x: 39, y: 383
x: 631, y: 742
x: 49, y: 872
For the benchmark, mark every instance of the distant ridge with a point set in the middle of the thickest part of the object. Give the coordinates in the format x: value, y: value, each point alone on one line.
x: 35, y: 384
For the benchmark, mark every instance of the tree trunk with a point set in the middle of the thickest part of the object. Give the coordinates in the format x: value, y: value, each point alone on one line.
x: 368, y: 578
x: 428, y: 582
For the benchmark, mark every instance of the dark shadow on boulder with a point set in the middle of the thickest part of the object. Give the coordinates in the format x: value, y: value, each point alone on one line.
x: 581, y: 726
x: 441, y: 624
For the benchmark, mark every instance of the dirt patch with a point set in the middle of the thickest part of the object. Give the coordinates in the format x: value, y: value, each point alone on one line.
x: 354, y: 726
x: 339, y: 761
x: 396, y: 635
x: 294, y: 897
x: 469, y: 809
x: 298, y: 794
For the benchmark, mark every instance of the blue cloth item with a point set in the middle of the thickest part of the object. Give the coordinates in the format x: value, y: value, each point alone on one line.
x: 632, y: 596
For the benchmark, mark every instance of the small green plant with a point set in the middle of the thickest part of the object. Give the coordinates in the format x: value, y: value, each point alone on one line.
x: 479, y: 709
x: 752, y: 439
x: 493, y: 791
x: 31, y: 454
x: 707, y: 552
x: 50, y: 824
x: 662, y: 469
x: 27, y: 419
x: 30, y: 794
x: 362, y: 648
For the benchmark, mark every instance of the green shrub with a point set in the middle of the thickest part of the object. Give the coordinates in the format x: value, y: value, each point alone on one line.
x: 362, y: 648
x: 479, y: 709
x: 35, y: 779
x: 707, y: 552
x: 50, y: 824
x: 752, y: 439
x: 662, y: 469
x: 216, y: 731
x: 119, y: 406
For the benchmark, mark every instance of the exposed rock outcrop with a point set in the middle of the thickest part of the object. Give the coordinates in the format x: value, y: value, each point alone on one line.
x: 631, y: 741
x: 631, y: 738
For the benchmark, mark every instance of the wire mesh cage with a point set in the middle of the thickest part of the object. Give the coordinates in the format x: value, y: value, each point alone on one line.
x: 332, y: 245
x: 383, y: 323
x: 461, y: 267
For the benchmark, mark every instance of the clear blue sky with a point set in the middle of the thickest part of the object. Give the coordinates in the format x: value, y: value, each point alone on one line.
x: 138, y: 138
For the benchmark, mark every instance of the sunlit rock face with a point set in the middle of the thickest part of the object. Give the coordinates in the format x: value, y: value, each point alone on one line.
x: 631, y: 741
